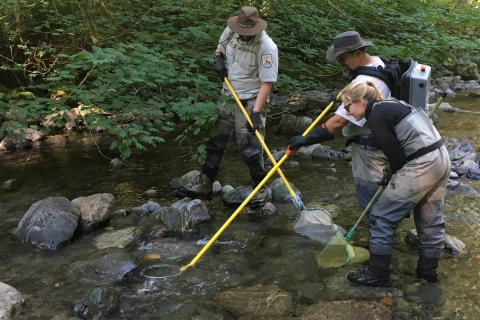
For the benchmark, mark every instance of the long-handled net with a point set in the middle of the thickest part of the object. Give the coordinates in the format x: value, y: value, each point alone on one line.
x: 338, y: 252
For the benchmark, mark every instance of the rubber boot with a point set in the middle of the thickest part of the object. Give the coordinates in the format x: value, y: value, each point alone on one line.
x: 377, y: 274
x: 427, y: 268
x: 201, y: 188
x: 259, y: 198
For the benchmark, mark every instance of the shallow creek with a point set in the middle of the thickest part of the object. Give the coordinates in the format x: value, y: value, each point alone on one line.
x: 262, y: 250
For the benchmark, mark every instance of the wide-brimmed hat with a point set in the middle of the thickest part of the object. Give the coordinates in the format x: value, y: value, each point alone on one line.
x: 347, y: 41
x: 247, y: 23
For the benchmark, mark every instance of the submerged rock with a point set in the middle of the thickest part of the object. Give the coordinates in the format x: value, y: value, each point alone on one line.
x: 182, y: 216
x: 100, y: 302
x: 110, y: 263
x: 9, y: 184
x: 117, y: 239
x: 268, y: 301
x: 347, y: 310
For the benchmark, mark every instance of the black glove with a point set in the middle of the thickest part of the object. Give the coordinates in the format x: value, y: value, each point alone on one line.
x: 297, y: 142
x: 387, y: 175
x: 255, y: 117
x: 219, y: 65
x: 317, y: 135
x: 333, y: 98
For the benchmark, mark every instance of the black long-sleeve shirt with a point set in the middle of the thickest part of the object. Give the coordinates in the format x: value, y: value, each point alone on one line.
x: 382, y: 120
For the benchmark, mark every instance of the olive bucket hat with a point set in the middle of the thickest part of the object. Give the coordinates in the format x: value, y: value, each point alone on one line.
x: 247, y: 23
x: 347, y: 41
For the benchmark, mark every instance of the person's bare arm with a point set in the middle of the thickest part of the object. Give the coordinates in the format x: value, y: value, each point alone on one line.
x: 262, y: 96
x: 335, y: 124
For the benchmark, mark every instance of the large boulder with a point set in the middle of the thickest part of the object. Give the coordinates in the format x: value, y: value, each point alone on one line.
x: 467, y: 70
x: 49, y: 223
x: 290, y: 124
x: 308, y: 100
x: 94, y: 210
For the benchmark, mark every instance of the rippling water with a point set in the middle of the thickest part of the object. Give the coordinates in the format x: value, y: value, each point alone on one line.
x: 250, y: 251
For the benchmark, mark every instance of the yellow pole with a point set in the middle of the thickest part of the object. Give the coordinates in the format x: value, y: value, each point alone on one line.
x: 247, y: 200
x: 259, y: 137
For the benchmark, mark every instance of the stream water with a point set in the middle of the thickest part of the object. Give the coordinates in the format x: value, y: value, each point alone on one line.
x: 262, y: 250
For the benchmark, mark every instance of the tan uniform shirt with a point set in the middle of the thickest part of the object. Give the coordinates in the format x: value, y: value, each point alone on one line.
x: 249, y: 63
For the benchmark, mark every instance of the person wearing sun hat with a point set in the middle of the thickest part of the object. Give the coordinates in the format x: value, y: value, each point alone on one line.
x: 368, y: 161
x: 248, y: 57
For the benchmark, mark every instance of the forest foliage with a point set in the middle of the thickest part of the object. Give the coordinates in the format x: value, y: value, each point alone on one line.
x: 126, y: 63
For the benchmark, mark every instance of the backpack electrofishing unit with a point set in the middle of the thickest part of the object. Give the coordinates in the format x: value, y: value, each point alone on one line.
x: 409, y: 82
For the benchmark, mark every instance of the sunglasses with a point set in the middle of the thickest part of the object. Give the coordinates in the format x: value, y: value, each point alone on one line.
x: 343, y: 59
x: 347, y: 107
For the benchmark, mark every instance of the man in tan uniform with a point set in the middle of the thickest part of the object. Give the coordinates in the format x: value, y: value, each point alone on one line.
x: 251, y: 67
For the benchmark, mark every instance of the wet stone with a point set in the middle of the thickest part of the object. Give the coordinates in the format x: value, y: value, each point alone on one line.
x: 116, y: 239
x: 217, y: 187
x: 151, y: 206
x: 276, y: 155
x: 257, y: 301
x: 227, y: 188
x: 95, y: 210
x: 321, y: 153
x: 452, y: 244
x: 49, y: 223
x: 239, y: 194
x: 108, y: 263
x: 99, y: 303
x: 291, y: 164
x: 280, y: 192
x: 182, y: 217
x: 10, y: 301
x: 151, y: 193
x: 8, y: 185
x: 116, y: 164
x: 347, y: 310
x: 340, y: 288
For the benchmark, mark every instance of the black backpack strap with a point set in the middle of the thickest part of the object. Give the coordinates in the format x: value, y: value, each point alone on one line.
x: 376, y: 72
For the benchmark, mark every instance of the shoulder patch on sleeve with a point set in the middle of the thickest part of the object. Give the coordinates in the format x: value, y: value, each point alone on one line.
x: 267, y: 60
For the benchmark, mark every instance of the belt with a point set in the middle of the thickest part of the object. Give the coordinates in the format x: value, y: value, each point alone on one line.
x: 369, y: 143
x: 423, y: 151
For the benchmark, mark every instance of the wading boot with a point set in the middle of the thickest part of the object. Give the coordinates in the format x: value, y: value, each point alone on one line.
x: 201, y: 188
x: 259, y: 198
x: 427, y: 268
x: 377, y: 274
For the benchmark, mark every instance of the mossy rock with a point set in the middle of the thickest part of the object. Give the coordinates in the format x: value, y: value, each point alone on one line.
x: 16, y: 94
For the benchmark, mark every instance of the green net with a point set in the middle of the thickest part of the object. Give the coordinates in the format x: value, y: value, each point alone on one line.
x: 336, y: 253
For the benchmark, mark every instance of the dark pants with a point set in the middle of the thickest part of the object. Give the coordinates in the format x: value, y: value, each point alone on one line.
x: 232, y: 126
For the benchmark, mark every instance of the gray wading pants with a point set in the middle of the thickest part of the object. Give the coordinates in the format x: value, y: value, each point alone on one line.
x: 232, y: 120
x: 420, y: 185
x: 367, y: 167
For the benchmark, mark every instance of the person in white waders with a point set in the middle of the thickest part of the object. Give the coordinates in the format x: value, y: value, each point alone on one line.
x: 368, y: 161
x: 251, y: 67
x: 415, y: 180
